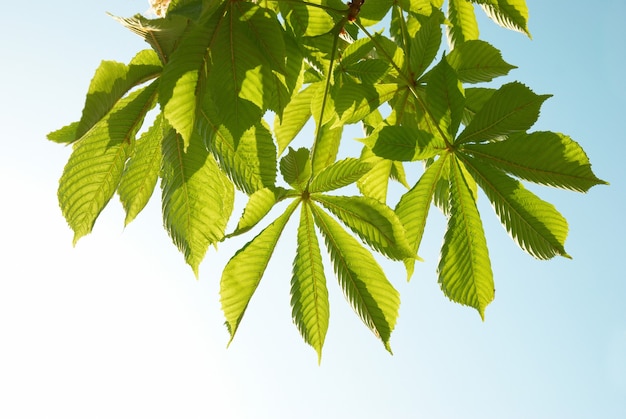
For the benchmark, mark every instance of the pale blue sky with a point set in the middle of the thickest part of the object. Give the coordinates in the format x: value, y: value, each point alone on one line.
x: 119, y: 327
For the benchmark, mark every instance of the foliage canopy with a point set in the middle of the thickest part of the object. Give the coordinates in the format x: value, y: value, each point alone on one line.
x: 218, y: 69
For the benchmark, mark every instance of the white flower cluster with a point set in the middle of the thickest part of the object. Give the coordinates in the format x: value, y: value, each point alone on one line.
x: 159, y: 7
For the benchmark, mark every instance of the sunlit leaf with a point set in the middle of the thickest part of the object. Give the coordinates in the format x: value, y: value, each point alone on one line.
x: 534, y: 224
x: 295, y: 167
x: 413, y: 208
x: 259, y: 204
x: 95, y: 167
x: 375, y: 223
x: 401, y: 143
x: 339, y: 174
x: 362, y: 280
x: 511, y: 14
x: 142, y: 171
x: 544, y: 157
x: 243, y: 272
x: 477, y: 61
x: 309, y: 296
x: 464, y: 267
x: 463, y: 26
x: 197, y: 197
x: 512, y: 108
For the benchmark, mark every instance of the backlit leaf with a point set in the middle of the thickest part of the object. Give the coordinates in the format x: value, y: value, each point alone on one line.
x: 544, y: 157
x: 534, y: 224
x: 362, y: 280
x: 243, y: 272
x: 142, y: 171
x: 309, y: 296
x: 464, y: 267
x: 339, y: 174
x: 375, y: 223
x: 512, y: 108
x: 197, y: 198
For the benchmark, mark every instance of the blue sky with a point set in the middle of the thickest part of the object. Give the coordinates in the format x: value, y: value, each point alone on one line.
x: 119, y: 327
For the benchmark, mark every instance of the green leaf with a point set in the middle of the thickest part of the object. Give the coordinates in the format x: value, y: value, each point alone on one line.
x: 425, y: 44
x: 304, y: 19
x: 326, y: 147
x: 535, y: 225
x: 512, y: 108
x: 373, y: 12
x: 464, y: 267
x: 445, y: 99
x: 295, y: 167
x: 511, y: 14
x: 475, y: 99
x: 362, y: 280
x: 249, y: 160
x: 477, y: 61
x: 402, y: 143
x: 463, y: 26
x: 243, y: 272
x: 295, y: 115
x: 354, y: 101
x: 543, y: 157
x: 197, y: 198
x: 95, y: 167
x: 339, y: 174
x: 183, y: 83
x: 111, y: 82
x: 65, y: 135
x: 163, y: 35
x: 413, y: 208
x: 259, y: 204
x: 142, y: 171
x: 375, y: 223
x: 309, y: 296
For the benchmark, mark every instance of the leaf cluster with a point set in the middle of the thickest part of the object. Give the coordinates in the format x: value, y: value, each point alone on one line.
x: 215, y: 71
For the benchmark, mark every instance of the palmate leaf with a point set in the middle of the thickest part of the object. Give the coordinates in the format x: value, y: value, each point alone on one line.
x: 95, y: 167
x: 197, y: 197
x: 142, y: 171
x: 244, y: 270
x: 309, y: 296
x: 536, y: 226
x: 413, y: 208
x: 477, y: 61
x: 512, y: 108
x: 543, y: 157
x: 463, y: 26
x: 361, y: 278
x: 375, y: 223
x: 339, y: 174
x: 464, y: 267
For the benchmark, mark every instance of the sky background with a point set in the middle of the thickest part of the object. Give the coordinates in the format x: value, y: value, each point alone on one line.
x: 119, y: 327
